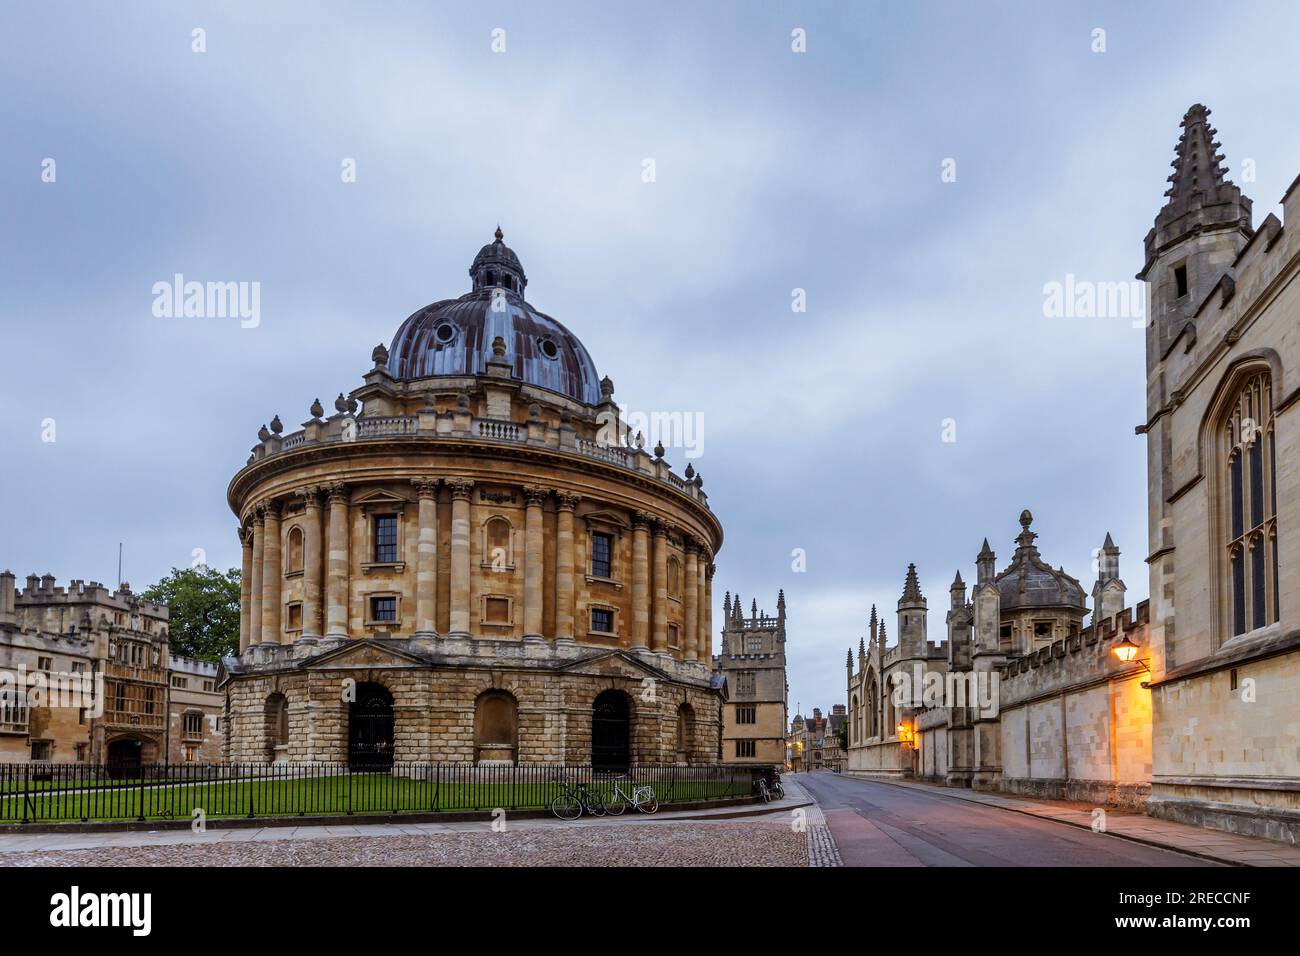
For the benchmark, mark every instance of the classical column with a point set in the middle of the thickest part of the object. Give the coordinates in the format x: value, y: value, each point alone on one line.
x: 256, y: 531
x: 659, y: 635
x: 690, y: 601
x: 336, y: 613
x: 245, y: 586
x: 640, y: 579
x: 706, y: 608
x: 566, y: 505
x: 533, y: 558
x: 271, y: 576
x: 426, y: 565
x: 311, y: 564
x: 461, y: 490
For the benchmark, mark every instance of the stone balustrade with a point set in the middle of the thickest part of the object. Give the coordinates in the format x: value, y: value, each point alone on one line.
x: 341, y: 428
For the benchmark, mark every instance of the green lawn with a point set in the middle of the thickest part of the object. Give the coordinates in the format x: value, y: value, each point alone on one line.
x: 357, y: 793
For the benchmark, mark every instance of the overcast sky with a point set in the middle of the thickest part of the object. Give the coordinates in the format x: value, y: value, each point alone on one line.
x: 774, y: 171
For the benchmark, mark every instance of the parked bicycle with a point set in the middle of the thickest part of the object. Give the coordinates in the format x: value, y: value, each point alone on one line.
x: 643, y: 798
x: 769, y: 790
x: 576, y: 798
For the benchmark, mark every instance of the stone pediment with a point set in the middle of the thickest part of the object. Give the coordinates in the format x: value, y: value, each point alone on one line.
x: 615, y: 664
x: 366, y: 653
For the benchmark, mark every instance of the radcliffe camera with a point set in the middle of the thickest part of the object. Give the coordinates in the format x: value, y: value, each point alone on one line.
x: 446, y: 442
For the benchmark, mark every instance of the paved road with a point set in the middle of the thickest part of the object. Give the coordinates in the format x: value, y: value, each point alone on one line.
x: 878, y: 824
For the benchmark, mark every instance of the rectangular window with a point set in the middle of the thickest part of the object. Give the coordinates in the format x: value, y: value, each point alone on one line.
x: 672, y: 635
x: 179, y: 682
x: 744, y: 682
x: 602, y: 620
x: 1258, y: 586
x: 383, y: 609
x: 753, y: 645
x: 747, y: 715
x: 209, y: 685
x: 602, y: 551
x: 189, y: 752
x: 81, y: 753
x: 1238, y: 592
x: 1180, y: 280
x: 386, y: 539
x: 294, y: 620
x: 40, y: 750
x: 44, y: 664
x: 193, y: 725
x: 81, y: 715
x: 745, y: 748
x: 497, y: 610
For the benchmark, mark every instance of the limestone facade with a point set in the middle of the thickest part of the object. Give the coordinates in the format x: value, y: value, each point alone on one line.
x: 475, y: 531
x: 195, y: 711
x: 752, y: 659
x: 86, y: 675
x: 1223, y: 452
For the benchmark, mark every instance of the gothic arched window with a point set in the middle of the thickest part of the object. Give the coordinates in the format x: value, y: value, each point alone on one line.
x: 1250, y: 505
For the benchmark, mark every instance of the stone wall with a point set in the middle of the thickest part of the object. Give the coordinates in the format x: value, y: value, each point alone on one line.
x: 434, y: 714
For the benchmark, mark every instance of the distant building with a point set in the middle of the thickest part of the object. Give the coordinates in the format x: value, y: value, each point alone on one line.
x: 813, y: 742
x: 752, y: 659
x: 195, y: 721
x: 86, y: 678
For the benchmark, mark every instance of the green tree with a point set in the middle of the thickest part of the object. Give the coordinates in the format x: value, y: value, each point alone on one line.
x: 204, y: 606
x: 843, y: 734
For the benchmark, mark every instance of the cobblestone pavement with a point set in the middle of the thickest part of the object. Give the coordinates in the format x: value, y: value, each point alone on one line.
x: 758, y: 841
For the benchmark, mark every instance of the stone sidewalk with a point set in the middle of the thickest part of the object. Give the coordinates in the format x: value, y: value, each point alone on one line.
x: 796, y: 797
x: 1196, y: 841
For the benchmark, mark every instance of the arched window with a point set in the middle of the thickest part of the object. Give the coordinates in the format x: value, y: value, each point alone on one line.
x: 674, y: 579
x: 1249, y: 502
x: 293, y: 550
x: 498, y: 551
x: 854, y: 717
x: 873, y: 698
x: 496, y: 727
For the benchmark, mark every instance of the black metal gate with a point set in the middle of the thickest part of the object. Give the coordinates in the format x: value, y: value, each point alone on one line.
x: 610, y: 731
x: 370, y: 729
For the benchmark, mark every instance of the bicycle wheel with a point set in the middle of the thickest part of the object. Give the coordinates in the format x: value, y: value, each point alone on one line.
x: 567, y: 807
x: 594, y: 803
x: 616, y: 803
x: 779, y: 792
x: 649, y: 803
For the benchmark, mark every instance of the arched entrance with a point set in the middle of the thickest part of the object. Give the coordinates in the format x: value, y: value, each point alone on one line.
x: 610, y: 731
x: 370, y: 729
x: 125, y: 757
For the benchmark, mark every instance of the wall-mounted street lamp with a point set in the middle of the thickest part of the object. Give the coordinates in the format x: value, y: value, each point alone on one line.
x: 1127, y: 652
x: 906, y: 734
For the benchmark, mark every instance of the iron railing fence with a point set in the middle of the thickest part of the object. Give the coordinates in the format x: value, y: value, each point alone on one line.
x: 41, y: 792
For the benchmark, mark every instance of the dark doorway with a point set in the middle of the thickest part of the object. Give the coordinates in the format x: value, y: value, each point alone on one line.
x: 124, y: 757
x: 610, y: 726
x: 370, y: 729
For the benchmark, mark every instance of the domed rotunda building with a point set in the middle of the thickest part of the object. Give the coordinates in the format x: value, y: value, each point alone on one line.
x: 471, y: 560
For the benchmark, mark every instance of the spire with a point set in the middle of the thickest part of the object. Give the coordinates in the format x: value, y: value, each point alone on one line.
x: 957, y: 582
x: 1199, y: 199
x: 873, y: 623
x: 780, y: 604
x: 753, y: 608
x: 911, y: 588
x: 985, y: 569
x: 1198, y: 164
x: 882, y: 635
x: 848, y: 658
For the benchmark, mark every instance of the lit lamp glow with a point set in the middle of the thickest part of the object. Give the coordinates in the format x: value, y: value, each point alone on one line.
x: 1125, y: 650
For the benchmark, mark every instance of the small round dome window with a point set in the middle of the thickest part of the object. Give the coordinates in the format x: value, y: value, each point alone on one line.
x: 444, y: 333
x: 548, y: 347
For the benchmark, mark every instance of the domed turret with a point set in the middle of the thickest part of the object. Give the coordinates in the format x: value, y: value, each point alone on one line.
x: 454, y: 337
